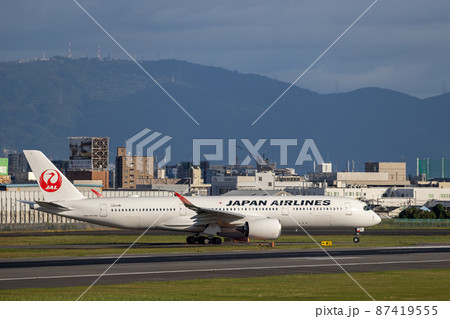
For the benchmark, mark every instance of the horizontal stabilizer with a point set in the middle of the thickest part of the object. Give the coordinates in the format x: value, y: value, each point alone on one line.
x: 52, y: 206
x: 33, y: 205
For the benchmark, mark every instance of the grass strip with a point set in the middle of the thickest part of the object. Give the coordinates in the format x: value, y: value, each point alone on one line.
x: 428, y: 284
x: 62, y: 246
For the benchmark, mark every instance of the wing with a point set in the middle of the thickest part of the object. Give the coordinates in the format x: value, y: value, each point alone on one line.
x: 211, y: 216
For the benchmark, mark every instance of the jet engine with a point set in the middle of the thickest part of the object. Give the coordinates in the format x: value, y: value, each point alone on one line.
x: 264, y: 228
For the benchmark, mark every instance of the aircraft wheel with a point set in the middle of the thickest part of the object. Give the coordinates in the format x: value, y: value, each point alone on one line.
x: 356, y: 239
x: 206, y: 240
x: 216, y: 241
x: 191, y: 240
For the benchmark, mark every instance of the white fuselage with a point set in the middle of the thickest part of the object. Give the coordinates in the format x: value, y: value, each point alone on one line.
x: 169, y: 213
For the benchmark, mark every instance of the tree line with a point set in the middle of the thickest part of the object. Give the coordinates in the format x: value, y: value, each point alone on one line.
x: 436, y: 212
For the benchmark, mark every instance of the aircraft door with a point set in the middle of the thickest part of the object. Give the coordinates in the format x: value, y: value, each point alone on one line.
x: 348, y: 208
x: 182, y: 210
x: 284, y: 211
x: 103, y: 210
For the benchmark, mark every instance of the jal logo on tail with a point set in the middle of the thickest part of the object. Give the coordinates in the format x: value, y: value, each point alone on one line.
x: 50, y: 180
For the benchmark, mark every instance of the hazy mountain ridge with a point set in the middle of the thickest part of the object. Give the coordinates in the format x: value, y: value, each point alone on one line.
x: 44, y: 102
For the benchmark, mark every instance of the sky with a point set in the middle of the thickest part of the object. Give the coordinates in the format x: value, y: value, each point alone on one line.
x: 403, y: 45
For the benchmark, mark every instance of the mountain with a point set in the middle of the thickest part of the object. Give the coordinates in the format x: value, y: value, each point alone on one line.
x: 44, y: 102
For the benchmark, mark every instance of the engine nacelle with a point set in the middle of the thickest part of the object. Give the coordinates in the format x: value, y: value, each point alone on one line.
x: 264, y: 228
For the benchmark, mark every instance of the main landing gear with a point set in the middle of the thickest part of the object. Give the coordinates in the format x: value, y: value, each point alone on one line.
x: 203, y: 240
x: 357, y: 231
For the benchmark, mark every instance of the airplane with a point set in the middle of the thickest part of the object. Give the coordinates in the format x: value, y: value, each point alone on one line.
x: 236, y: 217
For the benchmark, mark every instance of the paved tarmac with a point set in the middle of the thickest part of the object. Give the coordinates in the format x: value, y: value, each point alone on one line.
x: 83, y: 271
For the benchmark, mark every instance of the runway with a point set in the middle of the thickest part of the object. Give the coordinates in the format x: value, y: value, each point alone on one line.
x: 83, y: 271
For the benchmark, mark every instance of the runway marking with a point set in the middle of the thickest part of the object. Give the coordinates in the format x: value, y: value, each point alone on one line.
x: 321, y: 258
x: 226, y: 269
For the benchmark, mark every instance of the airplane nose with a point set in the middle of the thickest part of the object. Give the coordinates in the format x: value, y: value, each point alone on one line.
x: 376, y: 218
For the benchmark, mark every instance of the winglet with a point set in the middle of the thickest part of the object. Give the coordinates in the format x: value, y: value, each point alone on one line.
x: 185, y: 202
x: 97, y: 193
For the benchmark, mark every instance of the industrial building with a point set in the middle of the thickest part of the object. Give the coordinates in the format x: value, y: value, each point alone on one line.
x: 396, y: 170
x: 89, y: 159
x: 433, y: 169
x: 18, y: 167
x: 133, y: 170
x: 4, y: 177
x: 231, y: 170
x: 137, y: 172
x: 197, y: 184
x: 193, y: 185
x: 265, y: 180
x: 376, y: 174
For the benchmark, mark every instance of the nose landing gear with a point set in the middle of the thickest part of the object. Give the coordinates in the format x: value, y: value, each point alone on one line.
x: 357, y: 231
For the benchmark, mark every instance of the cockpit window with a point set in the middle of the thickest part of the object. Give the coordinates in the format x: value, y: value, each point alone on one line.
x: 367, y: 207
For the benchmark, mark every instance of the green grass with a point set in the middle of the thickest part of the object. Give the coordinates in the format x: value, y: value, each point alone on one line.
x: 430, y: 284
x: 34, y: 246
x: 390, y: 285
x: 405, y: 223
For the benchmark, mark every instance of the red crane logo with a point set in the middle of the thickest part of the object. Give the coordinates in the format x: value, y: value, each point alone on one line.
x: 47, y: 180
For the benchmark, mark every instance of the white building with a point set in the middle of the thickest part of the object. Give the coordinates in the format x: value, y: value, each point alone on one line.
x: 385, y: 196
x: 376, y: 174
x: 261, y: 180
